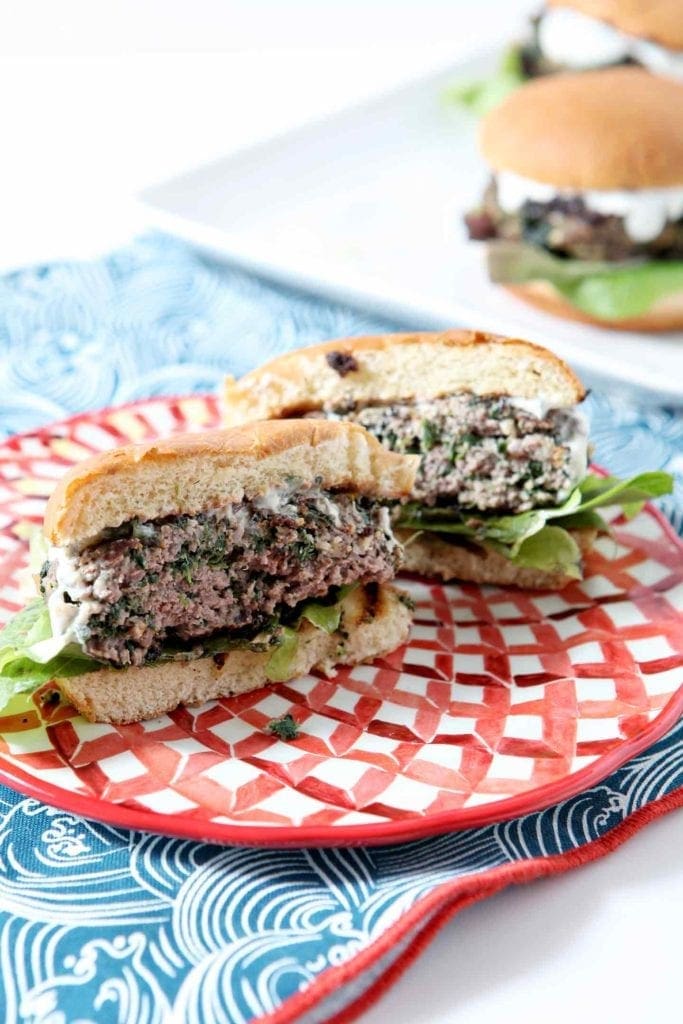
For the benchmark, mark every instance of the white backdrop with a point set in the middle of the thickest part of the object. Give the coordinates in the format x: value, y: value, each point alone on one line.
x: 98, y: 101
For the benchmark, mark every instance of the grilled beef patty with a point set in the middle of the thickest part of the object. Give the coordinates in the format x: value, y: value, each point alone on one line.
x: 232, y: 569
x: 566, y: 227
x: 480, y: 453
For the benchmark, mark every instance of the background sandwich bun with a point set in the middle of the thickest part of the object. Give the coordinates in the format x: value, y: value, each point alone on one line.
x: 616, y: 128
x: 665, y: 315
x: 429, y: 555
x: 375, y: 622
x: 399, y: 367
x: 660, y: 21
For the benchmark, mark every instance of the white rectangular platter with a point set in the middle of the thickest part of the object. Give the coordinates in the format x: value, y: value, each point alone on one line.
x: 366, y: 207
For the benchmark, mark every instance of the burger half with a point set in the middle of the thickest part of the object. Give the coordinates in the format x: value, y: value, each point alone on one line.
x: 585, y: 35
x: 583, y: 215
x: 211, y: 564
x: 502, y: 493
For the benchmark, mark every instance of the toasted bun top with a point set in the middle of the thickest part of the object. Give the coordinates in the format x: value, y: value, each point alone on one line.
x: 661, y: 20
x: 192, y: 473
x: 395, y: 367
x: 619, y: 128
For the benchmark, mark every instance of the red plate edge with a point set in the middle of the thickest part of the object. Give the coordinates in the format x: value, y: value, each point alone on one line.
x: 179, y: 826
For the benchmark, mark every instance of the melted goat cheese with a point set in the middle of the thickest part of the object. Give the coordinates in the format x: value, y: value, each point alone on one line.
x: 577, y: 41
x: 279, y: 500
x: 577, y: 444
x: 645, y: 210
x: 576, y: 441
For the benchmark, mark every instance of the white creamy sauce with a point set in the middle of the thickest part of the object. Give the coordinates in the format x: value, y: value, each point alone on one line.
x: 537, y: 407
x: 279, y: 500
x: 386, y: 527
x: 575, y: 40
x: 239, y: 520
x: 67, y: 619
x: 658, y: 58
x: 645, y: 210
x: 578, y: 451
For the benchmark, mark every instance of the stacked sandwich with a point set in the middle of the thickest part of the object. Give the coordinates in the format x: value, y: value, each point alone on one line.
x: 583, y: 215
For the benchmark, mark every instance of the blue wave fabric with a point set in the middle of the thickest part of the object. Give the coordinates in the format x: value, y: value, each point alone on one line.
x: 103, y: 925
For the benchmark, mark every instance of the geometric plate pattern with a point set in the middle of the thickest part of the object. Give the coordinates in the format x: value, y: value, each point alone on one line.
x: 502, y: 702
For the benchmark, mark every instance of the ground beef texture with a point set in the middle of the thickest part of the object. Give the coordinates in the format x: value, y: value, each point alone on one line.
x: 485, y: 454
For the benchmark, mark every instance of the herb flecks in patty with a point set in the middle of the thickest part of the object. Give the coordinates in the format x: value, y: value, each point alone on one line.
x: 481, y: 453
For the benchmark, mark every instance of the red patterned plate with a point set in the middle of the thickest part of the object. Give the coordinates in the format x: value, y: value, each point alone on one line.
x: 502, y: 702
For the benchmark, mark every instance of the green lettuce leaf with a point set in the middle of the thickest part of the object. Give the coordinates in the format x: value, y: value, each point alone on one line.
x: 325, y: 615
x: 21, y: 671
x: 631, y: 495
x: 587, y: 520
x: 608, y: 291
x: 28, y: 626
x: 480, y: 97
x: 528, y: 538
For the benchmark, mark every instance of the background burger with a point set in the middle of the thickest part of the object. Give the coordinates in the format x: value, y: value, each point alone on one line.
x: 583, y: 214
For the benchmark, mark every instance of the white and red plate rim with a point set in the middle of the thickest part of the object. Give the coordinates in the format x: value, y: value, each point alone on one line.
x: 536, y: 799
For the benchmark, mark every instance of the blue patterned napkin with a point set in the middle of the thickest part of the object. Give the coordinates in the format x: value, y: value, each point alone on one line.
x: 103, y: 925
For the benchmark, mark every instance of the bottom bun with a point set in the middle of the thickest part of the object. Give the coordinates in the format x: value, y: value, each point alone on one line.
x: 665, y: 315
x: 375, y: 621
x: 429, y: 555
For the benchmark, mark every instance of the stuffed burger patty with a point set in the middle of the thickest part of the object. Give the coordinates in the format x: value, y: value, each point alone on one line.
x: 502, y: 493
